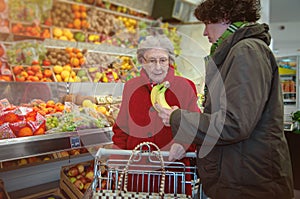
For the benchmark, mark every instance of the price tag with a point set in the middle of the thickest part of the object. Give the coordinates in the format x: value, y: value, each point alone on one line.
x: 75, y: 142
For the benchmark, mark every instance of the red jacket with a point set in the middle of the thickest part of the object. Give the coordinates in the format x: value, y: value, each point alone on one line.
x: 139, y: 122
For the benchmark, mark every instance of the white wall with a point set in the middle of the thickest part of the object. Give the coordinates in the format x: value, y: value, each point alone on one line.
x: 194, y: 48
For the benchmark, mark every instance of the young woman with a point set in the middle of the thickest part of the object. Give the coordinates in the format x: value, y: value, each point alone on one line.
x: 240, y: 140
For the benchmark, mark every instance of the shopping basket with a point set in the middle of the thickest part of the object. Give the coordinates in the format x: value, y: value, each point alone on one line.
x: 118, y: 173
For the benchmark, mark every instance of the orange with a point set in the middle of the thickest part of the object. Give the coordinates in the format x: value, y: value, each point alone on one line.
x: 25, y: 131
x: 11, y: 118
x: 82, y: 60
x: 47, y: 73
x: 82, y: 8
x: 83, y: 15
x: 102, y: 109
x: 39, y: 75
x: 79, y: 55
x: 77, y: 23
x: 30, y: 72
x: 17, y: 69
x: 69, y: 49
x: 85, y: 23
x: 70, y: 25
x: 50, y: 103
x: 75, y: 7
x: 75, y: 62
x: 76, y: 50
x: 77, y: 15
x: 39, y: 131
x: 36, y: 68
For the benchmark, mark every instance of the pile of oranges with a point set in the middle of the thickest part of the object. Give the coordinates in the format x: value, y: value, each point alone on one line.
x: 80, y: 17
x: 76, y: 57
x: 34, y: 73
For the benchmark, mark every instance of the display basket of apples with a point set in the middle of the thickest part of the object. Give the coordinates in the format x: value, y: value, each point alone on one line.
x: 76, y: 179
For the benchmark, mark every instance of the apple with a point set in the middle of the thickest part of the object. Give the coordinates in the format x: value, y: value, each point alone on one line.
x: 72, y: 179
x: 90, y: 175
x: 87, y: 185
x: 103, y: 184
x: 75, y: 152
x: 83, y: 179
x: 79, y: 176
x: 72, y: 172
x: 80, y: 168
x: 79, y: 184
x: 64, y: 153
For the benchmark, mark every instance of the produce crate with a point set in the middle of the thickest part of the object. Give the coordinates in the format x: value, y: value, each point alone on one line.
x: 68, y: 188
x: 81, y: 75
x: 22, y: 73
x: 30, y: 30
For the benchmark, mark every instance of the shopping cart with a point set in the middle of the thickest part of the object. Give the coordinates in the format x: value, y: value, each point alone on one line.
x: 140, y: 171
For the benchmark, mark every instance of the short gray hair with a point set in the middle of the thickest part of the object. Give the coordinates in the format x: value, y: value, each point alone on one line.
x: 158, y: 41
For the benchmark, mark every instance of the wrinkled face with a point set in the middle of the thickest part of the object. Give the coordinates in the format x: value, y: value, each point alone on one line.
x: 214, y: 30
x: 156, y: 64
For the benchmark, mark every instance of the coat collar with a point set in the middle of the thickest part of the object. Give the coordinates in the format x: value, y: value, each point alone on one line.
x: 258, y: 31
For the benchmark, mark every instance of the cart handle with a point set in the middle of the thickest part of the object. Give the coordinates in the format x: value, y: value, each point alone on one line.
x: 105, y: 152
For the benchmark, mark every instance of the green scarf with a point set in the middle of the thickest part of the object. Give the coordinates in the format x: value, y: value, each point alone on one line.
x: 231, y: 29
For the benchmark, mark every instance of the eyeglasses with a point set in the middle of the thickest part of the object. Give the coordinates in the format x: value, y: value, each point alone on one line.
x: 163, y: 61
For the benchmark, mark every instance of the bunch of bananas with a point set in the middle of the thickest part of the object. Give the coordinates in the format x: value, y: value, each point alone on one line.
x: 157, y: 95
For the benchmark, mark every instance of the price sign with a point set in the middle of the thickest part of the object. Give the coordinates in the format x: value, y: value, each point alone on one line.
x: 75, y: 142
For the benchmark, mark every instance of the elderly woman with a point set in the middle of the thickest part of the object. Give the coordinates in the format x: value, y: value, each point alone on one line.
x: 138, y: 121
x: 240, y: 141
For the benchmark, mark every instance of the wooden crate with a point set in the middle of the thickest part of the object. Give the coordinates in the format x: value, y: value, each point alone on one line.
x: 66, y: 186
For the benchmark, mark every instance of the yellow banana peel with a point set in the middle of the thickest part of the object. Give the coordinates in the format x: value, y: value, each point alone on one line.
x: 157, y: 95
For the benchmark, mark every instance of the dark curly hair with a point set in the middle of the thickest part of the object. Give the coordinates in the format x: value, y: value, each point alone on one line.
x: 215, y: 11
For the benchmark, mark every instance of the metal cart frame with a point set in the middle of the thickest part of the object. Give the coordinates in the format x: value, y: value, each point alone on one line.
x: 143, y: 168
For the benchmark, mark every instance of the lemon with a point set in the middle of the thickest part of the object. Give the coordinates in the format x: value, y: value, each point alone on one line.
x: 58, y: 78
x: 57, y: 69
x: 67, y: 68
x: 87, y: 103
x: 65, y: 74
x: 73, y: 74
x: 102, y: 109
x: 57, y: 32
x: 77, y: 79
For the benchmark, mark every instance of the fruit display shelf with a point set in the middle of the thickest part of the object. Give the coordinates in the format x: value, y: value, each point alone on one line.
x: 15, y: 148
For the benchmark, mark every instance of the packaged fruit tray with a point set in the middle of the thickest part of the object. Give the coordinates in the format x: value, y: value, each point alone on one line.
x: 5, y: 72
x: 35, y: 73
x: 25, y: 52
